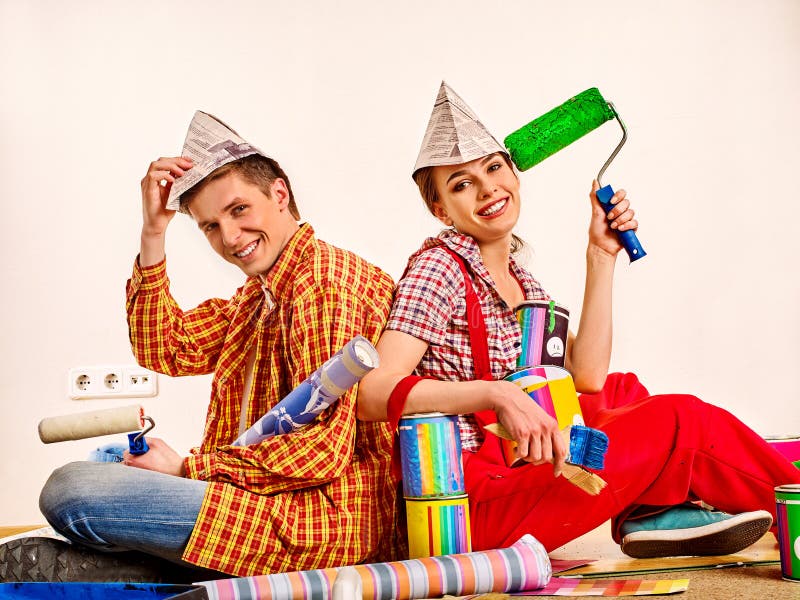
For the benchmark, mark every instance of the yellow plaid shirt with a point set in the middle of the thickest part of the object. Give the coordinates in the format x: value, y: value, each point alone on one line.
x: 319, y: 497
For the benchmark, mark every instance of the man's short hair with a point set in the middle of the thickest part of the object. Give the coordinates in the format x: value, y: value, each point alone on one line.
x: 258, y: 170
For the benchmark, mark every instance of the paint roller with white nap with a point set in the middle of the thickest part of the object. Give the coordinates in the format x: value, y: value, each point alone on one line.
x: 95, y: 423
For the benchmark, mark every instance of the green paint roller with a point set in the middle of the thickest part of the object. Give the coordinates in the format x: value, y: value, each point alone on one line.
x: 557, y: 129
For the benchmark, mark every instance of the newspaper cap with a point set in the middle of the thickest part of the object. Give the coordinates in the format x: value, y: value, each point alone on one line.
x: 454, y: 135
x: 210, y: 143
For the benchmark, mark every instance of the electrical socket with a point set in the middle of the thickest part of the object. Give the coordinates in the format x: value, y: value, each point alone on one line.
x: 111, y: 381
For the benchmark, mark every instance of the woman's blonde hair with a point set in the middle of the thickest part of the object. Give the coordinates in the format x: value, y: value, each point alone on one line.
x: 427, y: 189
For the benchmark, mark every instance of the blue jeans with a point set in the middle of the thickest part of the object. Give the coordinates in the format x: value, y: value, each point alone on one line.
x: 112, y: 507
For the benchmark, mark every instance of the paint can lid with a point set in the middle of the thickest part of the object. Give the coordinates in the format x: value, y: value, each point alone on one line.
x: 540, y: 373
x: 558, y: 308
x: 790, y: 488
x: 432, y: 415
x: 791, y: 437
x: 451, y: 498
x: 408, y: 422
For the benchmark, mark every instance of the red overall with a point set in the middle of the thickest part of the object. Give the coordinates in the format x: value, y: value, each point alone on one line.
x: 663, y: 450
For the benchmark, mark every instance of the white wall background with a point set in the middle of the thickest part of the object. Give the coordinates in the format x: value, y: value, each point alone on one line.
x: 340, y: 93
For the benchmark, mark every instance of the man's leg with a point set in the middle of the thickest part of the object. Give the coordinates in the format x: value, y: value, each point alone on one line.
x: 127, y: 524
x: 111, y: 507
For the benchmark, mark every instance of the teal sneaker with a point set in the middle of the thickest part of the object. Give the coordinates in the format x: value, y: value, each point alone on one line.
x: 688, y: 530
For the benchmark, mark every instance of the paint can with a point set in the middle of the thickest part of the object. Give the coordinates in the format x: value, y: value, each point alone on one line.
x: 788, y: 445
x: 430, y: 455
x: 553, y: 389
x: 787, y: 504
x: 544, y: 328
x: 438, y: 526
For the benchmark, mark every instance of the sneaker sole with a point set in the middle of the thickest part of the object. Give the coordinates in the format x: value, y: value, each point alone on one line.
x: 49, y: 560
x: 717, y: 539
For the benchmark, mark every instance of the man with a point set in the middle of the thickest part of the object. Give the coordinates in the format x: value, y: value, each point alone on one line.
x: 318, y: 497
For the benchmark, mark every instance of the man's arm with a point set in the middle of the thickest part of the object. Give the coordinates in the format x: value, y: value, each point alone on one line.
x: 164, y: 338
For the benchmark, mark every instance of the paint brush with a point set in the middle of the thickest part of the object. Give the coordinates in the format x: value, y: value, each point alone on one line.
x: 589, y: 482
x: 587, y: 447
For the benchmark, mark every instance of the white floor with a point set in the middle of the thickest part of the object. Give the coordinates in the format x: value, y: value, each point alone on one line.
x: 595, y: 544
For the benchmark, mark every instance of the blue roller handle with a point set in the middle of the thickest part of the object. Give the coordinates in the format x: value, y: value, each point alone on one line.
x: 627, y: 238
x: 137, y: 446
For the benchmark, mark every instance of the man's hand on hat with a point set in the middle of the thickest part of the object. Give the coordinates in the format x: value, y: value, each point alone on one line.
x: 156, y: 185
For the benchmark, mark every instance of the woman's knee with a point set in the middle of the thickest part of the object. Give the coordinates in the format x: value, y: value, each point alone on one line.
x: 679, y: 404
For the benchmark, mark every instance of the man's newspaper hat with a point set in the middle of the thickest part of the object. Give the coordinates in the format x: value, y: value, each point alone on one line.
x: 210, y: 143
x: 454, y: 135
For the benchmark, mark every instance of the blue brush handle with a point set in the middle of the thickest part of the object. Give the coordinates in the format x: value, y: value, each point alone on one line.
x: 627, y: 238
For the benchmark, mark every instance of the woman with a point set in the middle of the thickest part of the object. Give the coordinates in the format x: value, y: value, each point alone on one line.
x: 434, y: 359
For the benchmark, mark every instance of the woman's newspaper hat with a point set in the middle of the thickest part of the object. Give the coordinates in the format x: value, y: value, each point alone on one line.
x: 454, y: 135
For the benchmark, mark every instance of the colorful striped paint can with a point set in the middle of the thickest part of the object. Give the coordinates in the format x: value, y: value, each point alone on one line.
x: 438, y: 526
x: 787, y: 503
x: 553, y: 389
x: 544, y: 328
x: 788, y: 445
x: 430, y: 454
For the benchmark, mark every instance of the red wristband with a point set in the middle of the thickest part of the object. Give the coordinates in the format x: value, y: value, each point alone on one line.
x: 397, y: 399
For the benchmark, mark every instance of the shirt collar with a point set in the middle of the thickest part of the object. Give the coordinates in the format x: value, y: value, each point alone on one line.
x: 463, y: 245
x: 467, y: 248
x: 277, y: 279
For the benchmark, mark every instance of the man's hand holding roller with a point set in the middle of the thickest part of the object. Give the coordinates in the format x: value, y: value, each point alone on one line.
x: 160, y: 457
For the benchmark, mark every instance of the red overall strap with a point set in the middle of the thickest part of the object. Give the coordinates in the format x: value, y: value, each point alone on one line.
x: 478, y: 336
x: 480, y: 359
x: 477, y: 339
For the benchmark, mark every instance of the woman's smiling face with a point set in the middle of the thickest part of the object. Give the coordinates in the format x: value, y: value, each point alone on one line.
x: 479, y: 198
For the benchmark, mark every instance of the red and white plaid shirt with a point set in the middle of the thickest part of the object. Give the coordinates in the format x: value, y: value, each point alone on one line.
x: 319, y: 497
x: 430, y: 305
